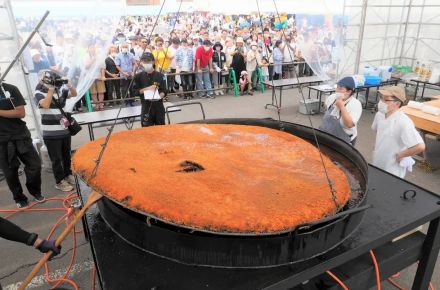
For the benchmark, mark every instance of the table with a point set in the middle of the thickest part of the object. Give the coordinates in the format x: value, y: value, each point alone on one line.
x: 389, y: 217
x: 280, y: 84
x: 102, y: 118
x: 321, y: 90
x: 423, y: 121
x: 326, y: 89
x: 424, y: 83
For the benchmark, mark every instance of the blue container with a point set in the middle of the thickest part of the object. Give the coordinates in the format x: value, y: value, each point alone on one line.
x: 372, y: 80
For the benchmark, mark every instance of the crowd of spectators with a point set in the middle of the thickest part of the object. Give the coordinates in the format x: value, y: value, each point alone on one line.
x: 195, y: 51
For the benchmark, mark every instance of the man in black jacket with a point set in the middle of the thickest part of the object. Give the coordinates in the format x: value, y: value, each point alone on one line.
x: 152, y: 87
x: 111, y: 72
x: 16, y: 145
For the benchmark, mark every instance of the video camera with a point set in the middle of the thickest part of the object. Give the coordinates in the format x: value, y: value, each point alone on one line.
x: 53, y: 79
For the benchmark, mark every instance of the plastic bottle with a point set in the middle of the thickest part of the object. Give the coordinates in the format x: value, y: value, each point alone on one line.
x: 417, y: 68
x: 422, y: 72
x: 429, y: 72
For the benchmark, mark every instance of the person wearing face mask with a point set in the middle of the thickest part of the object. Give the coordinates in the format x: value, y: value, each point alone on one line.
x: 396, y: 136
x: 111, y: 72
x: 125, y: 63
x: 152, y: 86
x: 343, y: 112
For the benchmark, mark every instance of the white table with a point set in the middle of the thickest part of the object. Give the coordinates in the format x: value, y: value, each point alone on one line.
x: 102, y: 118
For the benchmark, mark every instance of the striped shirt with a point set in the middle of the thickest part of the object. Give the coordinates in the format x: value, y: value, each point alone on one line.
x: 51, y: 117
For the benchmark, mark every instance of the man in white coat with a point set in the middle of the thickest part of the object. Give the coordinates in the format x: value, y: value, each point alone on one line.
x: 397, y: 138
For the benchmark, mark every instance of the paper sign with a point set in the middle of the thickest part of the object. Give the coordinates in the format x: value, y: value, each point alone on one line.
x: 151, y: 95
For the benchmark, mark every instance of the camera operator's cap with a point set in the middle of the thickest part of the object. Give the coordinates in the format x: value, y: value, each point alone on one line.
x: 147, y: 56
x: 184, y: 40
x: 243, y: 73
x: 239, y: 40
x: 347, y: 82
x: 394, y: 91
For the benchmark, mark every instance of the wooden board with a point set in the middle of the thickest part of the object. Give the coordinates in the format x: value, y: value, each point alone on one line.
x: 424, y: 121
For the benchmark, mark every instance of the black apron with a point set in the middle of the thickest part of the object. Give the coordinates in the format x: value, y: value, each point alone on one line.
x: 332, y: 125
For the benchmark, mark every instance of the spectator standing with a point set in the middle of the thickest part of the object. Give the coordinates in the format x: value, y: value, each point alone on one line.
x: 97, y: 89
x: 111, y: 73
x: 204, y: 69
x: 278, y: 57
x: 171, y: 80
x: 289, y: 58
x: 16, y: 145
x: 56, y: 136
x: 251, y: 65
x: 125, y: 63
x: 219, y: 61
x: 238, y: 58
x: 184, y: 63
x: 396, y: 136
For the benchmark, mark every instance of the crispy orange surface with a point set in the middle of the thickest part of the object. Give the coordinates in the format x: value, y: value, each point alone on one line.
x: 255, y: 179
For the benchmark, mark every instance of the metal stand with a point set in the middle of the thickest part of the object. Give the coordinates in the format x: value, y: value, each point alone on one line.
x: 380, y: 225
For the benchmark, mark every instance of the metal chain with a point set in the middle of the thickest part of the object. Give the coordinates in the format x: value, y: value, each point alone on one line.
x: 329, y: 181
x: 110, y: 130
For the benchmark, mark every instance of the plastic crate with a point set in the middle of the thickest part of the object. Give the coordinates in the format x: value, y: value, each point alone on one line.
x: 372, y: 80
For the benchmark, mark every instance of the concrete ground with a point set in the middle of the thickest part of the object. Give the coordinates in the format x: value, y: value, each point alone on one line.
x: 17, y: 260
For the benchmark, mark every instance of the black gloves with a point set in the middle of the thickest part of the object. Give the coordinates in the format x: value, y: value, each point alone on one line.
x: 49, y: 245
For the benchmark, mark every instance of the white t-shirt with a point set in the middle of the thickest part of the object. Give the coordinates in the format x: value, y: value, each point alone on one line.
x: 172, y: 53
x: 354, y: 108
x: 394, y: 134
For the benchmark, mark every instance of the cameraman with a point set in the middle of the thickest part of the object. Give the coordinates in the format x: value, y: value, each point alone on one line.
x: 50, y: 94
x: 16, y: 145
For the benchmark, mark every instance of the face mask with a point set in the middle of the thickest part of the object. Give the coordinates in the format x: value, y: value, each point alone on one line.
x: 382, y: 107
x: 339, y: 95
x: 148, y: 66
x: 124, y: 50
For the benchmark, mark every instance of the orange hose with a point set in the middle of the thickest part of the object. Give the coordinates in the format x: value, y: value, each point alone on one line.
x: 337, y: 280
x: 93, y: 277
x: 376, y: 268
x: 68, y: 211
x: 395, y: 284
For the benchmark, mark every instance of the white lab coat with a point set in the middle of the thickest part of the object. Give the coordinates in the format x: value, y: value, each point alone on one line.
x: 394, y: 134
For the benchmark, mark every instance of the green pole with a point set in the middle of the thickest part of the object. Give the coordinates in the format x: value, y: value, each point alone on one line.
x: 88, y: 102
x: 234, y: 81
x: 260, y: 79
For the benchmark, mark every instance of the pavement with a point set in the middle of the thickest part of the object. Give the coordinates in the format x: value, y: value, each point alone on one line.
x: 17, y: 260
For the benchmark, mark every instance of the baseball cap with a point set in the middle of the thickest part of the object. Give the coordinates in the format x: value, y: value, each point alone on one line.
x: 147, y: 56
x: 394, y: 91
x: 347, y: 82
x: 239, y: 40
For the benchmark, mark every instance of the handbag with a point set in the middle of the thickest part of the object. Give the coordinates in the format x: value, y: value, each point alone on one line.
x: 73, y: 126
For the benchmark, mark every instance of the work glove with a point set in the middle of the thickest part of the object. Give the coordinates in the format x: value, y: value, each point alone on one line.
x: 49, y: 245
